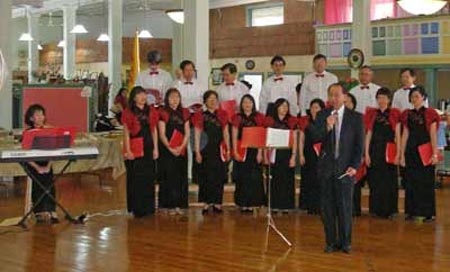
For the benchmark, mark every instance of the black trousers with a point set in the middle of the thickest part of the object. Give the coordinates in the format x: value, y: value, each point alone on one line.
x: 141, y: 185
x: 336, y: 208
x: 46, y: 204
x: 357, y: 197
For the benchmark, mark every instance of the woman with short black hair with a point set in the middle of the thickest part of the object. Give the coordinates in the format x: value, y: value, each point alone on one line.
x: 383, y: 129
x: 211, y: 125
x: 308, y: 153
x: 283, y: 167
x: 419, y: 128
x: 173, y: 126
x: 45, y: 211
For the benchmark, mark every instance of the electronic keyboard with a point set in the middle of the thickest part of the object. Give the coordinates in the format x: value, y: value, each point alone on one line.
x: 63, y: 154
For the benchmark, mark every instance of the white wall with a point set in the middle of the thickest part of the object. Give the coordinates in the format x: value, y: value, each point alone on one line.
x: 262, y: 64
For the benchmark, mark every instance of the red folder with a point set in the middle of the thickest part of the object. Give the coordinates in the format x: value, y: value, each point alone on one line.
x: 361, y: 172
x: 391, y: 152
x: 176, y: 140
x: 426, y: 152
x: 229, y: 107
x: 253, y: 137
x: 256, y: 137
x: 29, y: 136
x: 136, y: 147
x: 317, y: 148
x: 242, y: 151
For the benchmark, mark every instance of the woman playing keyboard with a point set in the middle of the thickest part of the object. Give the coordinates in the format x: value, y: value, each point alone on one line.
x: 45, y: 211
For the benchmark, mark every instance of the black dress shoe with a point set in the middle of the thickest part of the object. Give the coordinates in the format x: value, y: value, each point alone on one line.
x: 347, y: 249
x: 329, y: 249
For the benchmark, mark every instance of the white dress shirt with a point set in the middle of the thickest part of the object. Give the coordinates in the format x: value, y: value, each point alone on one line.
x: 401, y: 99
x: 337, y: 128
x: 160, y: 81
x: 315, y: 85
x: 278, y: 87
x: 365, y: 96
x: 190, y: 93
x: 233, y: 91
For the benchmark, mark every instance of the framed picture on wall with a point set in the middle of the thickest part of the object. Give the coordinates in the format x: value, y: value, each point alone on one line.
x: 216, y: 75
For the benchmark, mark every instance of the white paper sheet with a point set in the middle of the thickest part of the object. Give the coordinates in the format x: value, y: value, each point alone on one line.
x: 277, y: 138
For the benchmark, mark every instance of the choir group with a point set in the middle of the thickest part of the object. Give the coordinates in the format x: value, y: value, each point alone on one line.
x: 176, y: 131
x: 396, y: 123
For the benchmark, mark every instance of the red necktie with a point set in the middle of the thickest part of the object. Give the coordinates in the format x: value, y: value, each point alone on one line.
x: 278, y: 78
x: 318, y: 75
x: 406, y: 89
x: 154, y: 73
x: 229, y: 84
x: 364, y: 87
x: 188, y: 83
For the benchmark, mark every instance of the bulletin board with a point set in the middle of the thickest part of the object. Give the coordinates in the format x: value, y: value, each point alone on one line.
x: 65, y: 106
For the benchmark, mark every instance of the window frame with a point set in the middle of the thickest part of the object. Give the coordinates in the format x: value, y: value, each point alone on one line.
x: 251, y: 8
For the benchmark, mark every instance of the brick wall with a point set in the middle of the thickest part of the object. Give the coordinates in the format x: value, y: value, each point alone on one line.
x: 230, y: 37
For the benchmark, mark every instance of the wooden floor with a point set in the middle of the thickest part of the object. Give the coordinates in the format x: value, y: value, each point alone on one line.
x: 112, y: 241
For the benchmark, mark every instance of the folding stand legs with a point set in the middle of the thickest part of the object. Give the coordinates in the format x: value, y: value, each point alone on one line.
x: 79, y: 220
x: 270, y: 221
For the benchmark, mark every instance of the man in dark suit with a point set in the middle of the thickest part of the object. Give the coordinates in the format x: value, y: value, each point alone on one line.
x: 341, y: 132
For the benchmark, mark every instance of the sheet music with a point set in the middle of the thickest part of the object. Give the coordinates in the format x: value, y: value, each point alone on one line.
x: 278, y: 138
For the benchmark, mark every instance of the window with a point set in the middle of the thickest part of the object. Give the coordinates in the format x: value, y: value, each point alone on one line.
x: 265, y: 15
x: 341, y: 11
x: 256, y: 79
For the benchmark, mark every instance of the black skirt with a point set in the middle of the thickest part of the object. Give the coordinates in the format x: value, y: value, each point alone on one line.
x: 310, y: 186
x: 173, y: 186
x: 422, y: 194
x: 383, y: 182
x: 283, y: 181
x: 421, y: 199
x: 249, y: 190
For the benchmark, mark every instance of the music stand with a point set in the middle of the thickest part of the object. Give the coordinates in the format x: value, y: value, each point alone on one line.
x: 258, y: 137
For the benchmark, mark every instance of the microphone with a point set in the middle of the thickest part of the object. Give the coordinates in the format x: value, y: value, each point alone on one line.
x: 333, y: 137
x: 335, y: 115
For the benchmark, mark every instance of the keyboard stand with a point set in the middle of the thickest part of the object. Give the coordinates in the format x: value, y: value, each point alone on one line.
x: 22, y: 223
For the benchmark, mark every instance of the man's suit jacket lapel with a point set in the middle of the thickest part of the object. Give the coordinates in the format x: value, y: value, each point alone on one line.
x: 344, y: 128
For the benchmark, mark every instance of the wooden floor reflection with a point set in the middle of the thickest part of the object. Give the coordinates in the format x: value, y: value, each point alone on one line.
x: 229, y: 242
